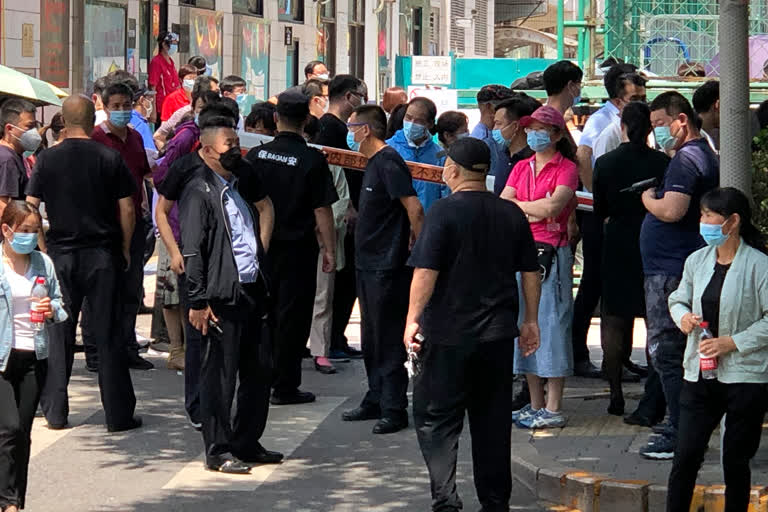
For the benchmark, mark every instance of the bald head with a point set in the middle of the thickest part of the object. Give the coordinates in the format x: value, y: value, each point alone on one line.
x: 79, y: 112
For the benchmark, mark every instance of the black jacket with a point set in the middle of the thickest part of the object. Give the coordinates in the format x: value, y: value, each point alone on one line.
x: 211, y: 271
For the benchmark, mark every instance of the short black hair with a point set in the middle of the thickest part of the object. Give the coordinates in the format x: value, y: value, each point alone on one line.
x: 342, y: 84
x: 203, y: 84
x: 310, y: 67
x: 99, y: 85
x: 427, y: 104
x: 115, y: 89
x: 705, y: 96
x: 375, y: 117
x: 229, y: 83
x: 232, y: 106
x: 314, y: 87
x: 636, y: 116
x: 518, y: 107
x: 450, y: 122
x: 198, y: 63
x: 263, y: 111
x: 12, y: 110
x: 121, y: 75
x: 557, y: 76
x: 207, y: 97
x: 612, y: 76
x: 494, y: 93
x: 395, y: 122
x: 216, y: 115
x: 674, y: 103
x: 628, y: 78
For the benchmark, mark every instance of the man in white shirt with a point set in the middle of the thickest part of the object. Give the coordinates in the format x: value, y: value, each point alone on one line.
x: 631, y: 87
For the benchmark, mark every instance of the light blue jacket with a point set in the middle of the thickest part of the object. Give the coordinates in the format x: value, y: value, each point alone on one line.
x: 743, y: 313
x: 428, y: 192
x: 41, y: 265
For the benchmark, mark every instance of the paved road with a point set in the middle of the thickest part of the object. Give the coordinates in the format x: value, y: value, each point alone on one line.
x: 330, y: 465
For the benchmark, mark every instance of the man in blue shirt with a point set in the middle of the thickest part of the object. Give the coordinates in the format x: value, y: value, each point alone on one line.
x: 670, y: 233
x: 143, y: 107
x: 488, y: 98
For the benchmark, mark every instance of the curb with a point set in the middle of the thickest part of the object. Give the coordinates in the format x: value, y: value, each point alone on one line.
x: 584, y: 491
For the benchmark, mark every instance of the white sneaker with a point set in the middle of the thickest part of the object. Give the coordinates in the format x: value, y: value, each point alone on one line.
x: 524, y: 413
x: 543, y: 419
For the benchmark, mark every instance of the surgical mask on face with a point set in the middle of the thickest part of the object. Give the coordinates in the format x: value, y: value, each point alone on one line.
x: 351, y: 143
x: 664, y: 138
x: 149, y: 107
x: 462, y: 135
x: 30, y: 140
x: 539, y: 140
x: 499, y: 139
x: 120, y: 118
x: 188, y: 85
x: 240, y: 97
x: 173, y: 49
x: 577, y: 98
x: 323, y: 76
x: 326, y: 105
x: 713, y: 234
x: 23, y: 243
x: 414, y: 131
x: 231, y: 159
x: 197, y: 119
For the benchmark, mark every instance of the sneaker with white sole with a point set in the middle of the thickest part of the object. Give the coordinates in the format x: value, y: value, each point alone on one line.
x: 543, y: 419
x: 525, y: 412
x: 659, y: 448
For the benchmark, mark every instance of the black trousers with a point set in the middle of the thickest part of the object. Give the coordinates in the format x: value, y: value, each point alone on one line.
x: 294, y: 274
x: 193, y: 340
x: 20, y: 386
x: 242, y: 353
x: 590, y: 286
x: 476, y: 379
x: 344, y: 295
x: 383, y: 308
x: 90, y: 274
x: 616, y: 340
x: 702, y: 405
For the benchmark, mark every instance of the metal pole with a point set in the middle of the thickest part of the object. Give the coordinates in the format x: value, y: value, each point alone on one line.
x: 735, y: 126
x: 589, y: 69
x: 582, y: 35
x: 561, y: 29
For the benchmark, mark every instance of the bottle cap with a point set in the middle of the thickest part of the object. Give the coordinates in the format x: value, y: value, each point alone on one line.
x: 704, y: 325
x: 40, y: 280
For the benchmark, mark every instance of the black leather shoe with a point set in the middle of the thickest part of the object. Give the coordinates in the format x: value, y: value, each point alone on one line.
x: 54, y: 426
x: 389, y: 426
x: 92, y: 367
x: 297, y: 397
x: 637, y: 369
x: 353, y: 353
x: 638, y: 419
x: 228, y: 464
x: 134, y: 423
x: 264, y: 457
x: 361, y: 414
x: 627, y: 376
x: 616, y: 407
x: 587, y: 370
x: 136, y: 362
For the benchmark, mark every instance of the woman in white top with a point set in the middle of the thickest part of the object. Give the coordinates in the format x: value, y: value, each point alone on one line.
x: 23, y: 343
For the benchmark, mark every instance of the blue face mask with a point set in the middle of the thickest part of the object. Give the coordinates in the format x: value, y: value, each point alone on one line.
x: 577, y: 100
x: 539, y: 140
x: 414, y: 132
x: 197, y: 119
x: 664, y: 138
x: 24, y: 243
x: 713, y: 234
x: 499, y: 139
x: 188, y: 85
x: 351, y: 144
x: 120, y: 118
x: 240, y: 98
x: 173, y: 49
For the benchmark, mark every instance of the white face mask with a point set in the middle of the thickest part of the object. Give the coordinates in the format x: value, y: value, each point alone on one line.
x: 323, y: 76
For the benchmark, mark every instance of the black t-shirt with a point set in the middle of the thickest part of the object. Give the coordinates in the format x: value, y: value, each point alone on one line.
x: 383, y: 230
x: 13, y: 174
x: 80, y: 181
x: 297, y: 179
x: 477, y: 242
x: 188, y: 167
x: 710, y: 299
x: 332, y: 132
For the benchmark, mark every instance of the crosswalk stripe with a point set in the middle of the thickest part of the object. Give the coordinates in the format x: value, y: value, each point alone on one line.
x: 287, y: 428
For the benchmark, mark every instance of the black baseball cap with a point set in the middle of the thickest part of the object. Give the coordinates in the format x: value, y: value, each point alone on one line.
x: 293, y: 104
x: 471, y: 153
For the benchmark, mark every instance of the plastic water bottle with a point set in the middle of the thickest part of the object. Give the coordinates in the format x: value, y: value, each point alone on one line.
x: 39, y: 291
x: 708, y: 365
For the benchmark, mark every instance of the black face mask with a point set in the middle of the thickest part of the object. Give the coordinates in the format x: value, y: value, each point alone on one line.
x: 231, y: 159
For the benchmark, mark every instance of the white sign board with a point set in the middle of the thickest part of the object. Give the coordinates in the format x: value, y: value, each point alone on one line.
x: 445, y: 99
x: 430, y: 70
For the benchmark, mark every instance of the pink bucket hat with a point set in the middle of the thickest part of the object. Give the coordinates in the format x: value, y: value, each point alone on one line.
x: 546, y: 115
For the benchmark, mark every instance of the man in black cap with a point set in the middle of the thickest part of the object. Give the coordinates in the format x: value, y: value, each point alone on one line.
x: 297, y: 179
x: 464, y: 302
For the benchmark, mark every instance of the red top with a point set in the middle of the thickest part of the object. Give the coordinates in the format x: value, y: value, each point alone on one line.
x: 163, y: 77
x: 530, y: 186
x: 174, y: 102
x: 132, y: 151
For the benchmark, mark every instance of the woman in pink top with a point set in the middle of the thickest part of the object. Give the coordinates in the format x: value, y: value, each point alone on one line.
x: 544, y: 187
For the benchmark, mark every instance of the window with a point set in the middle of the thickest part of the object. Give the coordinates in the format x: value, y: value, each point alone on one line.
x: 205, y: 4
x: 290, y: 10
x: 253, y: 7
x: 356, y: 37
x: 252, y: 56
x: 104, y: 41
x: 326, y: 33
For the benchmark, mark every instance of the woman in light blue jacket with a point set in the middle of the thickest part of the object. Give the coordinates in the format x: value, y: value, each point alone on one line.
x: 726, y: 285
x: 23, y: 343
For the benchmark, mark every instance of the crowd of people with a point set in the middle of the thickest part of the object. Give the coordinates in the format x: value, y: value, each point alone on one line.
x: 261, y: 252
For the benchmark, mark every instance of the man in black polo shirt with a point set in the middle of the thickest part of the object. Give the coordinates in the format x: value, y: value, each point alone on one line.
x: 390, y: 215
x: 345, y: 93
x: 19, y: 135
x: 464, y: 301
x: 83, y: 184
x: 297, y: 179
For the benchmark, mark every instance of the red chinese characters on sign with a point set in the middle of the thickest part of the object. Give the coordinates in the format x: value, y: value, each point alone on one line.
x: 54, y: 42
